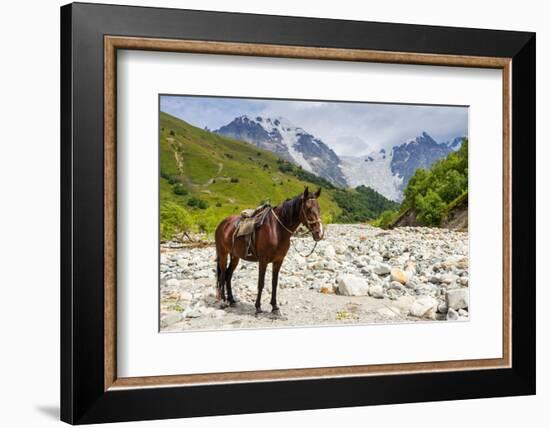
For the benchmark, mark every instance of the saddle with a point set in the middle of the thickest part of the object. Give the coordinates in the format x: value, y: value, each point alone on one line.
x: 250, y: 220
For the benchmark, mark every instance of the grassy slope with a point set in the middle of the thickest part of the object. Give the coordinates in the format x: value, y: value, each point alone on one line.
x: 205, y: 163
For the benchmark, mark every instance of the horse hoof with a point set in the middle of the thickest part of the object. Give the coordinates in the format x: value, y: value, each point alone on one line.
x: 233, y: 304
x: 276, y: 313
x: 259, y: 311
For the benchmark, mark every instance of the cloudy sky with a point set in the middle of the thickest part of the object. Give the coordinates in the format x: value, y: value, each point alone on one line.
x: 348, y: 128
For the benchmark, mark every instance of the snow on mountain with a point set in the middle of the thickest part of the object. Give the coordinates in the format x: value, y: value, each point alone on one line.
x: 373, y: 170
x: 455, y: 143
x: 389, y: 172
x: 290, y: 142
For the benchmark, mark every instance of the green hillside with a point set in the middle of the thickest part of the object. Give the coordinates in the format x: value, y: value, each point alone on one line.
x: 206, y: 177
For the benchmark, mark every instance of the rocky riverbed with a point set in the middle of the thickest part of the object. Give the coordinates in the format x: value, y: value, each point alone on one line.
x: 358, y: 274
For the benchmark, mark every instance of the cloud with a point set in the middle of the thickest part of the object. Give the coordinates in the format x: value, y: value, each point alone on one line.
x: 348, y: 128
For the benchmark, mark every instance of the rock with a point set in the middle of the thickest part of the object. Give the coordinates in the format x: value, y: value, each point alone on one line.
x: 185, y: 295
x: 452, y: 315
x: 219, y: 313
x: 351, y: 285
x: 340, y: 249
x: 171, y: 318
x: 457, y: 298
x: 463, y: 281
x: 388, y: 313
x: 381, y: 269
x: 299, y: 260
x: 434, y: 279
x: 449, y: 278
x: 203, y: 274
x: 182, y: 263
x: 394, y: 285
x: 442, y: 308
x: 424, y: 307
x: 329, y: 251
x: 192, y: 313
x: 398, y: 275
x: 463, y: 313
x: 318, y: 265
x: 205, y: 310
x: 173, y: 282
x: 376, y: 291
x: 326, y: 289
x: 404, y: 303
x: 394, y: 294
x: 413, y: 282
x: 426, y: 290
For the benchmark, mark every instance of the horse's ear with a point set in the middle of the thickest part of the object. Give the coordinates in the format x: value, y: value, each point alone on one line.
x: 318, y: 193
x: 306, y: 192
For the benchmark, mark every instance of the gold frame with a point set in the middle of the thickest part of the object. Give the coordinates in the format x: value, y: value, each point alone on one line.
x: 113, y: 43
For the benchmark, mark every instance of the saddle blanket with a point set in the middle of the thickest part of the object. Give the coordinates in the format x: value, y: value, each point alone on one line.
x: 251, y: 219
x: 246, y: 226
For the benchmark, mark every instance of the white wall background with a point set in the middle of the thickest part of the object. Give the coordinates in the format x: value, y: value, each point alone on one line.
x: 29, y: 214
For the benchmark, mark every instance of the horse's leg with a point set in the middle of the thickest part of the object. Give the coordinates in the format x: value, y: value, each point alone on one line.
x: 221, y: 271
x: 228, y: 275
x: 274, y: 282
x: 261, y: 280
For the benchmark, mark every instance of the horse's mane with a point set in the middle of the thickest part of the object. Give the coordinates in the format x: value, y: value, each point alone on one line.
x: 290, y: 208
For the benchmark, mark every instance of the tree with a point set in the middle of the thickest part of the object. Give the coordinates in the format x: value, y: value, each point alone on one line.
x: 429, y: 208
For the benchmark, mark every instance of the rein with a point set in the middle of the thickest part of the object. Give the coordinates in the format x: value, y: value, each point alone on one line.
x: 294, y: 233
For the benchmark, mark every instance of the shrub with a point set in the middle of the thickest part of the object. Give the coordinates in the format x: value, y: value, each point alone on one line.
x: 198, y: 203
x: 285, y: 167
x: 174, y: 219
x: 172, y: 132
x: 193, y: 202
x: 386, y: 219
x: 234, y: 180
x: 178, y: 189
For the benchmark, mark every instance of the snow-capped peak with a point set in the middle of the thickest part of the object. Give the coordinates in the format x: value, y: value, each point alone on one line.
x: 279, y: 135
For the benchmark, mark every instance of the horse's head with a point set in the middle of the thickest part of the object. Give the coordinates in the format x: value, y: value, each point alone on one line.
x: 310, y: 213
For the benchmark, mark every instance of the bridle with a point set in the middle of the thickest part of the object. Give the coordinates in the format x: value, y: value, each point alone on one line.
x: 307, y: 223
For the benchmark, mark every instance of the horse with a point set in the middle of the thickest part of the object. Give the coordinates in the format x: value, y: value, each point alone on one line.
x: 270, y: 244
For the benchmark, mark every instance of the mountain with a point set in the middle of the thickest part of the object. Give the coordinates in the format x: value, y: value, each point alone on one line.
x: 289, y: 142
x: 420, y: 152
x: 205, y: 177
x: 389, y: 172
x: 455, y: 143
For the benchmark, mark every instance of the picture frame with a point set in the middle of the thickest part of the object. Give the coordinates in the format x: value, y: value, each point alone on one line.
x: 91, y: 35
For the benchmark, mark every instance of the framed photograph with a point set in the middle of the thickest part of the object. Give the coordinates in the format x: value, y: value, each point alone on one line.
x: 266, y: 213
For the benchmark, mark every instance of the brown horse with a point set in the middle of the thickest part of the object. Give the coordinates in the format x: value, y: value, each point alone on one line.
x: 270, y: 243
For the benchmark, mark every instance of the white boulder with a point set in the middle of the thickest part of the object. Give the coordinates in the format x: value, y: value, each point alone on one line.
x: 351, y: 285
